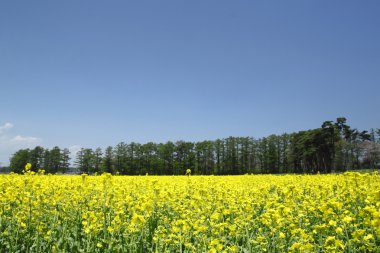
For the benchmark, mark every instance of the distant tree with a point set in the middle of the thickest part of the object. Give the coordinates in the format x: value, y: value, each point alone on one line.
x: 231, y: 157
x: 37, y: 157
x: 377, y: 131
x: 335, y: 146
x: 184, y: 156
x: 97, y: 159
x: 273, y: 154
x: 371, y: 154
x: 121, y: 158
x: 284, y: 153
x: 262, y: 156
x: 329, y: 138
x: 85, y: 160
x: 166, y: 155
x: 219, y: 156
x: 19, y: 159
x: 148, y: 159
x: 107, y: 164
x: 132, y: 157
x: 47, y: 163
x: 204, y: 157
x: 65, y: 160
x: 55, y: 160
x: 79, y: 160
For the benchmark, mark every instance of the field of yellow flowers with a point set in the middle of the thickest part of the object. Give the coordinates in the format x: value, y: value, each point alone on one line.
x: 250, y: 213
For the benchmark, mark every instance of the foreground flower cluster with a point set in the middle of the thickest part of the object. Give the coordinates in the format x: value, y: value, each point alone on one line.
x: 291, y: 213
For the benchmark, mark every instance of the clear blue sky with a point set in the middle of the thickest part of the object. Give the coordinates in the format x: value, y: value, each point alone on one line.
x: 95, y: 73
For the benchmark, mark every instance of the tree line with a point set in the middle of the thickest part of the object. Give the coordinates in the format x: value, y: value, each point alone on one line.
x: 335, y: 146
x: 51, y: 160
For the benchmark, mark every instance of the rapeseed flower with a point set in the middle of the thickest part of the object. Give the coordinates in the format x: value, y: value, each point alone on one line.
x: 259, y: 213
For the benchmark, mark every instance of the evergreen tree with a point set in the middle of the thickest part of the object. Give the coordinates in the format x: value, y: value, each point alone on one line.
x: 107, y: 164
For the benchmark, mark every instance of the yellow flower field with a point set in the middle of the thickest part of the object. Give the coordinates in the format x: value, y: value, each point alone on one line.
x: 251, y: 213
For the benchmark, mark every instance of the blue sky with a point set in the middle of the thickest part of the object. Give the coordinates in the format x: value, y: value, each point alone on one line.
x: 95, y: 73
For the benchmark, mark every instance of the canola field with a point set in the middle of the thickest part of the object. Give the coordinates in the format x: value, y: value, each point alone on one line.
x: 250, y: 213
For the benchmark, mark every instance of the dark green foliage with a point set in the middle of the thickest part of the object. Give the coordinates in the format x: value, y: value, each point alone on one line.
x: 332, y: 147
x: 19, y: 159
x: 52, y: 161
